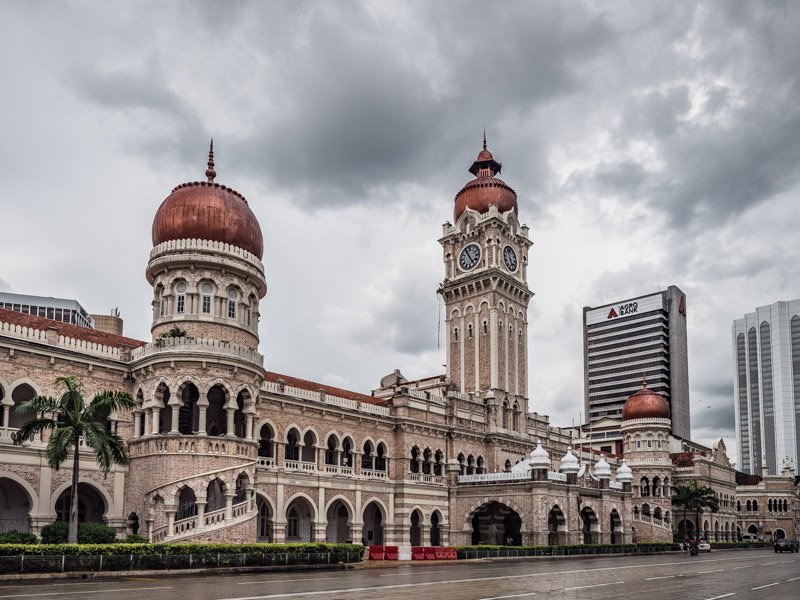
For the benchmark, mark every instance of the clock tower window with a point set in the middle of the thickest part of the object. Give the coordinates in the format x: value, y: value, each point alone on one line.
x: 180, y: 291
x: 206, y: 290
x: 232, y: 297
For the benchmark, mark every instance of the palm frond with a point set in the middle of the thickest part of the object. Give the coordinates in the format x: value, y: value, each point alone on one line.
x: 95, y: 436
x: 35, y: 405
x: 59, y: 446
x: 104, y: 403
x: 33, y: 427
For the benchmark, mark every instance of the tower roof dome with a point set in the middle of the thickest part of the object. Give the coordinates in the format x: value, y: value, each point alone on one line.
x: 205, y: 210
x: 624, y: 473
x: 485, y: 189
x: 645, y: 404
x: 569, y: 464
x: 540, y: 458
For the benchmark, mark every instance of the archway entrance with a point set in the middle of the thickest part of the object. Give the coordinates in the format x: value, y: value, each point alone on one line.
x: 496, y: 524
x: 556, y: 527
x: 436, y: 538
x: 778, y: 534
x: 91, y: 506
x: 264, y: 534
x: 590, y: 526
x: 372, y: 533
x: 686, y: 528
x: 615, y: 527
x: 416, y: 530
x: 14, y: 506
x: 22, y: 393
x: 337, y: 530
x: 189, y: 412
x: 298, y: 521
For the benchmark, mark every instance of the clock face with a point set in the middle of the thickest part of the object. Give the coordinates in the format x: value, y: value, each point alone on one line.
x: 470, y: 256
x: 510, y: 257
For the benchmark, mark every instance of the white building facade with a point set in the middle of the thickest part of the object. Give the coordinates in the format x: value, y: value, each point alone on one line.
x: 766, y: 359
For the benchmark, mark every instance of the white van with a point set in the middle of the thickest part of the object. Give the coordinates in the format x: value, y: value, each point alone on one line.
x: 749, y: 537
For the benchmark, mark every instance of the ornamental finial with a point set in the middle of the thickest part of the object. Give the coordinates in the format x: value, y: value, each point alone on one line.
x: 210, y: 172
x: 484, y: 138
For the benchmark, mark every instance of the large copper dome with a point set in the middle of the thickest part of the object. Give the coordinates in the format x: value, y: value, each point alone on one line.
x: 485, y: 189
x: 205, y: 210
x: 645, y: 404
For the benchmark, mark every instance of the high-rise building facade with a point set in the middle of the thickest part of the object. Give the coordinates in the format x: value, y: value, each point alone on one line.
x: 58, y: 309
x: 766, y: 358
x: 624, y: 341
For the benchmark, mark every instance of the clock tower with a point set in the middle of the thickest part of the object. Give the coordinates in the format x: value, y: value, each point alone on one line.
x: 485, y: 288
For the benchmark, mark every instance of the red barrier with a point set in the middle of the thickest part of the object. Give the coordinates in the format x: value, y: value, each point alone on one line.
x: 376, y: 552
x: 429, y: 553
x: 441, y: 553
x: 391, y: 552
x: 451, y: 553
x: 417, y: 553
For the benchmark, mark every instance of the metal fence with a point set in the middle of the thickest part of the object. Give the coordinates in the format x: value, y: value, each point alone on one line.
x: 132, y: 562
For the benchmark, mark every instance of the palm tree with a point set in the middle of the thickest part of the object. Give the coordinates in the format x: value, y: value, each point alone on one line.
x: 694, y: 497
x: 70, y: 417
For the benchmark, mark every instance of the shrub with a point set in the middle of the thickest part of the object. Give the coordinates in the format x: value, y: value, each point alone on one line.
x: 55, y: 533
x: 173, y: 549
x: 17, y: 537
x: 134, y: 539
x: 88, y: 533
x: 96, y: 533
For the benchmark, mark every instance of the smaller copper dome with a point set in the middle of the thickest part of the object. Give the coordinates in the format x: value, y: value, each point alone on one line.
x: 486, y: 189
x: 206, y: 210
x: 645, y: 404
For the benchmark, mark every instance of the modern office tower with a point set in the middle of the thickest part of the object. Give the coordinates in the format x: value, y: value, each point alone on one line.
x: 766, y: 358
x: 628, y: 340
x: 58, y: 309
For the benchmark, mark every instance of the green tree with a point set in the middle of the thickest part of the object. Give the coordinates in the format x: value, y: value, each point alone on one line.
x: 69, y: 417
x: 694, y: 497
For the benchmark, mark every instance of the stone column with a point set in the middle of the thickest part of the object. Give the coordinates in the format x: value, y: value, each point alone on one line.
x: 356, y: 463
x: 170, y: 511
x: 230, y: 428
x: 229, y: 505
x: 149, y: 521
x: 147, y: 419
x: 248, y: 427
x: 137, y: 423
x: 176, y: 404
x: 156, y: 419
x: 200, y: 502
x: 202, y: 404
x: 280, y: 453
x: 494, y: 354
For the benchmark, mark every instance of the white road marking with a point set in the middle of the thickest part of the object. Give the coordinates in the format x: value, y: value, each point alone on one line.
x: 662, y: 577
x: 765, y: 564
x: 88, y: 592
x: 415, y: 573
x: 761, y: 587
x: 744, y: 567
x: 714, y: 571
x: 793, y: 579
x: 512, y: 596
x: 469, y: 580
x: 583, y: 587
x: 283, y: 580
x: 723, y: 596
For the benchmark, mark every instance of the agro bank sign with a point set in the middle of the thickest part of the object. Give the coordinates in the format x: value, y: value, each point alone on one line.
x: 628, y: 308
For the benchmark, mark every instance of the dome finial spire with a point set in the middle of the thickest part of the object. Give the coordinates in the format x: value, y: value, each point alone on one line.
x: 484, y: 138
x: 210, y: 172
x: 644, y: 380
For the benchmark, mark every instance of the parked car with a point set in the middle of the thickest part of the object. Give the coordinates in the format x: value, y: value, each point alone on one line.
x: 785, y: 544
x: 703, y: 546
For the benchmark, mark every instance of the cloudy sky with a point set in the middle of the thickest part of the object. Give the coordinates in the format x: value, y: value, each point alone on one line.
x: 650, y: 143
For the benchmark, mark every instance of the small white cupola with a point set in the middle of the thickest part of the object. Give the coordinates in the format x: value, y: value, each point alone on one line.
x: 624, y: 473
x: 569, y: 464
x: 540, y: 458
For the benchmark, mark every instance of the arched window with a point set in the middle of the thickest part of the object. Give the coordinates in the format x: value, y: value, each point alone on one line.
x: 162, y: 303
x: 366, y: 457
x: 755, y: 505
x: 414, y: 465
x: 437, y: 465
x: 455, y: 333
x: 749, y: 506
x: 292, y: 523
x: 180, y: 297
x: 480, y: 469
x: 469, y: 331
x: 206, y: 291
x: 426, y: 461
x: 507, y: 465
x: 330, y: 453
x: 769, y: 505
x: 739, y: 505
x: 644, y: 487
x: 470, y: 465
x: 461, y: 467
x: 785, y: 505
x: 233, y: 296
x: 505, y: 415
x: 292, y: 445
x: 347, y: 452
x: 515, y: 417
x: 380, y: 459
x: 638, y: 441
x: 485, y: 327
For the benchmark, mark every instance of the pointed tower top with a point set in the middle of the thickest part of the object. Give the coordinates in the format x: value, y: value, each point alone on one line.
x: 210, y: 172
x: 644, y: 380
x: 484, y: 138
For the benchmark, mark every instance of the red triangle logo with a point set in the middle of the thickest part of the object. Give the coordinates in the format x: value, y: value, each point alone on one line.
x: 612, y: 314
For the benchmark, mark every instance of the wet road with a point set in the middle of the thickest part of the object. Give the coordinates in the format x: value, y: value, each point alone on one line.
x: 721, y: 574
